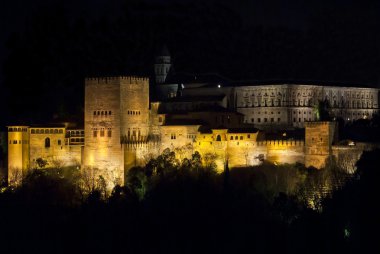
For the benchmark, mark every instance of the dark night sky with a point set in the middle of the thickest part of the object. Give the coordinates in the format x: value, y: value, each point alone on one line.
x: 335, y: 40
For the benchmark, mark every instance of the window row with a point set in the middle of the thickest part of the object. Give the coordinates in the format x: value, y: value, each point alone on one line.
x: 46, y: 131
x: 266, y: 113
x: 300, y: 120
x: 134, y: 112
x: 265, y: 120
x: 76, y: 133
x: 18, y: 129
x: 102, y: 132
x: 76, y: 140
x: 191, y: 136
x: 15, y: 142
x: 102, y: 113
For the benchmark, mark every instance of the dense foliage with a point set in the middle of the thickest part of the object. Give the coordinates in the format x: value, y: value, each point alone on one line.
x: 170, y: 206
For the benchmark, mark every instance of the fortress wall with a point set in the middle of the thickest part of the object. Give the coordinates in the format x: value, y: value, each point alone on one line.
x: 56, y: 153
x: 102, y: 131
x: 139, y: 153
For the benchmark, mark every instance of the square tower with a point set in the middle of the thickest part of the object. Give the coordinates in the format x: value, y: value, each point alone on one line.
x: 319, y: 137
x: 116, y: 109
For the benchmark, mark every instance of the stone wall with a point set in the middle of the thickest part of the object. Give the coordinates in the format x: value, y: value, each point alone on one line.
x: 50, y: 144
x: 102, y: 125
x: 319, y: 137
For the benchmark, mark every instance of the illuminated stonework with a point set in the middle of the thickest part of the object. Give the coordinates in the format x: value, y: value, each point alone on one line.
x: 123, y: 129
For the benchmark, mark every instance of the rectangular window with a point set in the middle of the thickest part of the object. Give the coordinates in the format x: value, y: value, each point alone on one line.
x: 95, y: 134
x: 109, y: 133
x: 278, y: 119
x: 59, y: 142
x: 299, y: 119
x: 259, y: 120
x: 102, y: 133
x: 265, y: 120
x: 272, y: 120
x: 294, y: 120
x: 160, y: 119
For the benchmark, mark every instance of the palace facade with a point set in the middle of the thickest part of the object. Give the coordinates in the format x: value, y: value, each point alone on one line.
x: 125, y: 127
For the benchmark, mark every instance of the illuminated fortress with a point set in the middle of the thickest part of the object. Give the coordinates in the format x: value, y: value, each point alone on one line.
x: 124, y: 127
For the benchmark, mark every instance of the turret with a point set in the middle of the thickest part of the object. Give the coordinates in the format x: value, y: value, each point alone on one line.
x: 162, y: 65
x: 18, y: 153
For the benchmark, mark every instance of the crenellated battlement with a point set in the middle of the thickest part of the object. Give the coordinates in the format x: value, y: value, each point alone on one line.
x: 281, y: 143
x: 317, y: 123
x: 106, y: 80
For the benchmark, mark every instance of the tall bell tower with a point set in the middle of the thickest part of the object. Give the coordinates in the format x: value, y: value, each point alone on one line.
x: 162, y: 65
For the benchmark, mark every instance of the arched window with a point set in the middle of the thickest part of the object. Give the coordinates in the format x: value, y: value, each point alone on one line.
x: 47, y: 142
x: 55, y: 131
x: 218, y: 138
x: 51, y: 131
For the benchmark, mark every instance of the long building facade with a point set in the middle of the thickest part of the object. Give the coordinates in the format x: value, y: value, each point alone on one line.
x: 124, y: 127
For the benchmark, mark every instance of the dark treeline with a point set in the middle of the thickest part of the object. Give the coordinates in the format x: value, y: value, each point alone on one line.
x: 167, y: 207
x: 49, y: 59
